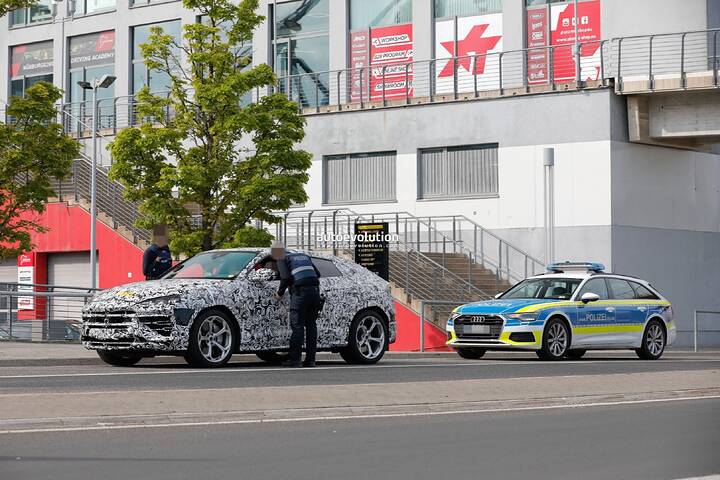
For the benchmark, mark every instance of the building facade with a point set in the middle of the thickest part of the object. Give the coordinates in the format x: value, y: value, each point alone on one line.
x: 642, y: 209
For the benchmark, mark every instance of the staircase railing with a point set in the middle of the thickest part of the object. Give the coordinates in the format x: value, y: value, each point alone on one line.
x: 109, y: 193
x: 438, y: 235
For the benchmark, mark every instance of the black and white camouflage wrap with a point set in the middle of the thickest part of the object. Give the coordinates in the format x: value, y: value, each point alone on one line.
x: 156, y: 316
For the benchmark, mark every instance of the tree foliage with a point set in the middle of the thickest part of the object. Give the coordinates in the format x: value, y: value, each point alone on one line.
x: 7, y: 6
x: 33, y: 150
x: 215, y: 163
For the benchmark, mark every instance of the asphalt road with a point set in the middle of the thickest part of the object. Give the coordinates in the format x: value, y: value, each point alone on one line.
x: 244, y: 371
x: 664, y: 440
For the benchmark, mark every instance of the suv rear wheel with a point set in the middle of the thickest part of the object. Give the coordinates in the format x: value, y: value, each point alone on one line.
x: 368, y: 339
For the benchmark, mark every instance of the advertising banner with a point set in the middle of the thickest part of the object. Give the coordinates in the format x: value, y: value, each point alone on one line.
x: 359, y: 61
x: 537, y: 36
x: 31, y: 59
x: 562, y: 32
x: 379, y: 50
x: 91, y: 50
x: 478, y: 38
x: 372, y: 249
x: 26, y: 277
x: 391, y: 50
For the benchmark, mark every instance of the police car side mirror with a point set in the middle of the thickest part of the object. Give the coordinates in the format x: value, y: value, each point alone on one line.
x: 589, y: 297
x: 261, y: 275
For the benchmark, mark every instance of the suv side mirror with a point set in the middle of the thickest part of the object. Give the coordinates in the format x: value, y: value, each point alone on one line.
x: 261, y: 275
x: 589, y: 297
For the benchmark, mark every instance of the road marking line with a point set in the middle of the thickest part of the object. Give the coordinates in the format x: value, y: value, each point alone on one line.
x: 339, y: 367
x: 362, y: 416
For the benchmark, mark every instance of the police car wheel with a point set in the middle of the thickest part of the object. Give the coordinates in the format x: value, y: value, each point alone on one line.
x: 575, y: 354
x: 368, y: 339
x: 212, y: 340
x: 471, y: 353
x: 119, y: 359
x: 653, y: 341
x: 273, y: 358
x: 555, y: 340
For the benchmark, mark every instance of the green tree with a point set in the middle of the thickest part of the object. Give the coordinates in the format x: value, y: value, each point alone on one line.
x: 7, y: 6
x: 216, y: 163
x: 33, y: 150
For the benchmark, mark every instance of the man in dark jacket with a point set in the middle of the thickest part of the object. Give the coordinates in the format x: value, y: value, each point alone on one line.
x: 298, y: 273
x: 157, y: 258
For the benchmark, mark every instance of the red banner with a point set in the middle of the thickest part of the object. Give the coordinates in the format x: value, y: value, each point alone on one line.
x: 563, y: 33
x: 537, y: 36
x: 391, y: 55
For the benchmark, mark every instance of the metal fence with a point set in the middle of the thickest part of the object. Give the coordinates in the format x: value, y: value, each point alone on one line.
x: 41, y: 312
x: 697, y: 331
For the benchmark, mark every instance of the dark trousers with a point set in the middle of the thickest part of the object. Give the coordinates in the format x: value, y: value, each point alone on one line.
x: 304, y: 309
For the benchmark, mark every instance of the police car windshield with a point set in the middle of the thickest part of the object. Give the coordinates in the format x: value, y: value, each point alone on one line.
x: 544, y: 288
x: 212, y: 265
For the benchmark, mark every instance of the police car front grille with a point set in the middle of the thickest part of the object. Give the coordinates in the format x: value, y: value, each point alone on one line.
x: 464, y: 324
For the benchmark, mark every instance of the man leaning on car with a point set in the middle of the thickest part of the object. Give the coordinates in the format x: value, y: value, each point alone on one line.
x: 298, y: 273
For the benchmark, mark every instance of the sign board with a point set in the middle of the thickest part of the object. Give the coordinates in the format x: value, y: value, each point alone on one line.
x: 26, y: 277
x: 372, y: 249
x: 562, y: 32
x: 478, y: 40
x: 93, y: 49
x: 31, y: 59
x: 537, y: 42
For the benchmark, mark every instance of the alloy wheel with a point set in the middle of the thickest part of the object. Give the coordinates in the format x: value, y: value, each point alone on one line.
x: 370, y: 337
x: 557, y: 339
x: 655, y: 340
x: 214, y: 338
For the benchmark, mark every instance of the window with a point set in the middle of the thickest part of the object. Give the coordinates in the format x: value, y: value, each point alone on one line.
x: 596, y: 286
x: 378, y: 13
x: 531, y: 3
x: 142, y: 76
x: 90, y: 57
x: 30, y: 64
x: 366, y: 177
x: 549, y: 288
x: 326, y: 267
x: 141, y: 3
x: 621, y: 289
x: 643, y: 293
x: 92, y: 6
x: 220, y: 265
x: 301, y: 45
x: 450, y: 8
x: 40, y: 12
x: 470, y: 171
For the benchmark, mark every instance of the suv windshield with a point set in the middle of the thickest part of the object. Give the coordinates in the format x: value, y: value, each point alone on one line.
x: 549, y: 288
x: 212, y: 265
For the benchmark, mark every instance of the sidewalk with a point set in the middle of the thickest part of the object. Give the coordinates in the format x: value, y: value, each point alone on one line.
x: 48, y: 354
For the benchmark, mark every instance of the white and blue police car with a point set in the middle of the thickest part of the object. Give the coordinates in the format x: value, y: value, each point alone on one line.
x: 573, y: 308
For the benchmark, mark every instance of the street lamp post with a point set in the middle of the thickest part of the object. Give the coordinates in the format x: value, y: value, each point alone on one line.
x: 103, y: 82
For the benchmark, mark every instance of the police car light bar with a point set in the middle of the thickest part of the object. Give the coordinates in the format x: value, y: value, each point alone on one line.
x: 565, y: 266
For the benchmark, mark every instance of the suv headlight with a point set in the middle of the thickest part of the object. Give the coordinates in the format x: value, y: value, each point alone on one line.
x: 523, y: 317
x: 163, y: 299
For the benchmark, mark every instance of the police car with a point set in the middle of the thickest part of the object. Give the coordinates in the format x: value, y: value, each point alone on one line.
x: 573, y: 308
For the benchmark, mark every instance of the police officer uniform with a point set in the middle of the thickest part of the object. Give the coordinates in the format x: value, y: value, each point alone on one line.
x: 299, y: 274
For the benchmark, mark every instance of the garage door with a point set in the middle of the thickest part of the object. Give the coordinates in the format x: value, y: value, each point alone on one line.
x: 66, y: 270
x: 8, y: 271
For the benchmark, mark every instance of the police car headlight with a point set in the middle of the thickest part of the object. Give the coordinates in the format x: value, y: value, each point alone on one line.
x: 451, y: 319
x: 523, y: 317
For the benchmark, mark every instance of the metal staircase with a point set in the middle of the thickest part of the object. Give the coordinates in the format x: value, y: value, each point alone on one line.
x: 444, y: 258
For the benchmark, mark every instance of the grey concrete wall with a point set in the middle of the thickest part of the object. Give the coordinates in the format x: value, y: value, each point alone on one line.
x: 516, y: 121
x: 683, y: 265
x: 644, y: 17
